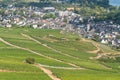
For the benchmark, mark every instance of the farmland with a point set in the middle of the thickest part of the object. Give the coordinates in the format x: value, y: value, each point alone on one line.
x: 66, y: 55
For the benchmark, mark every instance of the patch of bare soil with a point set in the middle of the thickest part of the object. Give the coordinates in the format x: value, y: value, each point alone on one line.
x: 48, y: 72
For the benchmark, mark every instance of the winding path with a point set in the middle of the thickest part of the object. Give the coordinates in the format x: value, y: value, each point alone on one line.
x: 27, y: 36
x: 38, y: 53
x: 94, y: 44
x: 94, y: 51
x: 47, y: 71
x: 52, y: 49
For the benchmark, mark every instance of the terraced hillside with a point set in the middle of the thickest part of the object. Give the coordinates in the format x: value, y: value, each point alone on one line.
x: 58, y: 56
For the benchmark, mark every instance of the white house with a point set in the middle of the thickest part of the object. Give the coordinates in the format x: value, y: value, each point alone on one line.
x: 35, y: 26
x: 48, y: 8
x: 8, y: 25
x: 104, y: 41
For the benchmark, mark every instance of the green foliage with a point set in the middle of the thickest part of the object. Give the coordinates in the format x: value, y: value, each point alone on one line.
x: 12, y: 58
x: 96, y: 38
x: 85, y: 75
x: 118, y: 59
x: 24, y: 75
x: 90, y: 3
x: 30, y: 60
x: 77, y: 39
x: 110, y: 59
x: 49, y: 15
x: 114, y: 16
x: 107, y: 59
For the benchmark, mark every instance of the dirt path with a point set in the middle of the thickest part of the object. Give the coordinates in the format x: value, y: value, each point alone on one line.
x: 97, y: 50
x: 6, y: 70
x: 94, y: 51
x: 94, y: 44
x: 48, y: 72
x: 57, y: 67
x: 48, y: 46
x: 38, y: 53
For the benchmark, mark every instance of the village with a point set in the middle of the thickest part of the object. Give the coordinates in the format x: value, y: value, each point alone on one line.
x: 106, y: 32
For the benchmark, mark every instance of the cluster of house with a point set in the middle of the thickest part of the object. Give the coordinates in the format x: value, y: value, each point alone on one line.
x: 33, y: 16
x: 107, y: 32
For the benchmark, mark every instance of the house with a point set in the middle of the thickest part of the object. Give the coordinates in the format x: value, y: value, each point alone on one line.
x: 114, y: 43
x: 8, y: 25
x: 49, y: 9
x: 16, y: 20
x: 64, y: 13
x: 70, y: 8
x: 104, y: 41
x: 35, y: 26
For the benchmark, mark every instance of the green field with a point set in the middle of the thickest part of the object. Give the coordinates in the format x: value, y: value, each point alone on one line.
x: 65, y: 56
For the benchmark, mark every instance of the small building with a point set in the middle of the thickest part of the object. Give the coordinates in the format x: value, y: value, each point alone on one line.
x: 35, y: 26
x: 104, y: 41
x: 8, y: 25
x: 114, y: 42
x: 49, y: 9
x: 16, y: 20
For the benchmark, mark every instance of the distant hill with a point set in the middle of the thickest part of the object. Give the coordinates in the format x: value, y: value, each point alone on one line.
x: 103, y: 3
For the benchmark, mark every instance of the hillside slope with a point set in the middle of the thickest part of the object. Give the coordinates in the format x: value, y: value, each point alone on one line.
x: 58, y: 56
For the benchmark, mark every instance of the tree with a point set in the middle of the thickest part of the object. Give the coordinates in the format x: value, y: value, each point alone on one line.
x: 45, y: 1
x: 102, y: 3
x: 49, y: 15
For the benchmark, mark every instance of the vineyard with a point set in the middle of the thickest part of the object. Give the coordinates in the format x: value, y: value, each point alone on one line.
x: 57, y: 56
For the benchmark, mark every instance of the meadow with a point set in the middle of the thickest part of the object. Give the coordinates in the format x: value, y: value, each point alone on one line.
x: 66, y: 55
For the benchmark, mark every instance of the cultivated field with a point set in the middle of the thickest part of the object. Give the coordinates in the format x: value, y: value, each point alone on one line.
x: 58, y: 56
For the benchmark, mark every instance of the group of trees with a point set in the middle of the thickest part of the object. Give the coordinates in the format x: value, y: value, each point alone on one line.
x: 85, y: 8
x: 111, y: 15
x: 114, y: 16
x: 91, y: 3
x: 103, y: 3
x: 49, y: 15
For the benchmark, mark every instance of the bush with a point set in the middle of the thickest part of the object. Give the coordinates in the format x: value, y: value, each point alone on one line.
x: 107, y: 60
x: 110, y: 59
x: 49, y: 15
x: 96, y: 38
x: 30, y: 60
x: 117, y: 59
x: 77, y: 39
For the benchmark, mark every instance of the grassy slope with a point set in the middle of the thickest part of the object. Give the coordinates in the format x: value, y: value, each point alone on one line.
x: 12, y: 58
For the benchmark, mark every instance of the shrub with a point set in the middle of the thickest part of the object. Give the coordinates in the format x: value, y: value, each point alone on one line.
x: 117, y: 59
x: 47, y: 16
x: 30, y: 60
x: 107, y: 60
x: 110, y: 59
x: 77, y: 39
